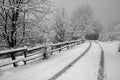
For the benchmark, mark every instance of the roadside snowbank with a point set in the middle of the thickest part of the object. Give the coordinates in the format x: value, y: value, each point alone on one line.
x: 112, y: 60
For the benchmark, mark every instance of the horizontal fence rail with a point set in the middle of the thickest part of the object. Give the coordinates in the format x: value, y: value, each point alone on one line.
x: 24, y: 54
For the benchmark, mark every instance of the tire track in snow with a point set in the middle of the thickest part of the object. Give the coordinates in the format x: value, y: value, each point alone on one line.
x: 70, y: 64
x: 101, y: 71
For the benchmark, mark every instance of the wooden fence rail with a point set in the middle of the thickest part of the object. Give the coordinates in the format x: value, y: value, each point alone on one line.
x: 40, y: 51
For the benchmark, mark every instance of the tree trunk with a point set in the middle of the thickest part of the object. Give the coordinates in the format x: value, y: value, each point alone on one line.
x: 12, y: 42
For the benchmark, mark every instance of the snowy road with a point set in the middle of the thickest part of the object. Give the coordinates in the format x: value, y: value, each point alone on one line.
x: 84, y: 69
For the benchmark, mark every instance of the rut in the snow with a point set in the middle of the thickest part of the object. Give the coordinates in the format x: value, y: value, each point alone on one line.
x: 101, y: 71
x: 101, y: 68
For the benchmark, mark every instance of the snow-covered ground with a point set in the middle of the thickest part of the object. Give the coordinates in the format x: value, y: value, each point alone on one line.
x: 112, y: 60
x: 84, y: 69
x: 45, y: 69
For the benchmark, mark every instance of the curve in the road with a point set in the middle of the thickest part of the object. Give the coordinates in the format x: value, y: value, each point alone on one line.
x: 70, y: 64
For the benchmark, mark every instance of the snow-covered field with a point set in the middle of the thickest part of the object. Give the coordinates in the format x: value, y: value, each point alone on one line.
x: 84, y: 69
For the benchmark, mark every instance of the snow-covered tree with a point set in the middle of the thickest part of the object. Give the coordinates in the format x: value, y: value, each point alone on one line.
x: 84, y: 23
x: 80, y: 19
x: 60, y: 25
x: 15, y: 15
x: 113, y: 31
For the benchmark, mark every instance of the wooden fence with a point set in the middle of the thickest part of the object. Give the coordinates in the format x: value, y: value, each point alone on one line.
x: 28, y: 54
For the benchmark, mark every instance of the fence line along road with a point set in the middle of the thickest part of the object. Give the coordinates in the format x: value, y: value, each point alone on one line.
x: 70, y: 64
x: 29, y: 53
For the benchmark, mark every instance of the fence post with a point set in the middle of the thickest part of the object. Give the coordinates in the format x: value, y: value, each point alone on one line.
x: 78, y: 42
x: 25, y: 55
x: 51, y: 49
x: 59, y: 50
x: 68, y: 45
x: 119, y: 48
x: 46, y: 52
x: 74, y: 43
x: 15, y: 64
x: 60, y: 47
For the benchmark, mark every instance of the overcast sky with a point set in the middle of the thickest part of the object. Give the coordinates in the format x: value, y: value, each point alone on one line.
x: 107, y: 11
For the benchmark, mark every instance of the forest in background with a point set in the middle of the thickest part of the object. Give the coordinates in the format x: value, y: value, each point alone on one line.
x: 37, y: 22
